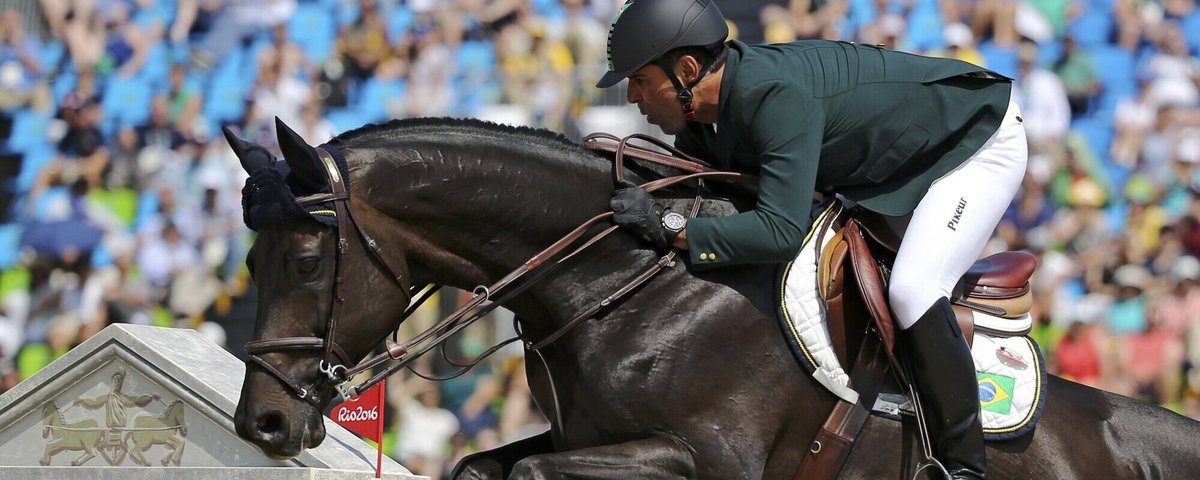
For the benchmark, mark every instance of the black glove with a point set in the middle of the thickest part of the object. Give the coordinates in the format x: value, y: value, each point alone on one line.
x: 634, y: 209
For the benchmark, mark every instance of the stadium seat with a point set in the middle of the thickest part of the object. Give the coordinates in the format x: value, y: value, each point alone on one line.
x: 1092, y: 29
x: 399, y: 20
x: 313, y: 28
x: 51, y: 53
x: 376, y: 96
x: 1098, y: 133
x: 1190, y: 26
x: 35, y: 159
x: 344, y: 120
x: 476, y: 58
x: 28, y: 130
x: 1002, y: 61
x: 158, y: 66
x: 226, y: 99
x: 126, y: 102
x: 1048, y: 53
x: 347, y: 12
x: 10, y: 247
x: 1115, y: 70
x: 162, y: 11
x: 925, y: 28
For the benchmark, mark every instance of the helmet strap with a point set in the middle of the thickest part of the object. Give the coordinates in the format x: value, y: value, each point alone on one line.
x: 683, y: 93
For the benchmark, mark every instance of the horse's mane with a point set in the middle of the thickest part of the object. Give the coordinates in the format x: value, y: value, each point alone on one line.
x: 407, y: 126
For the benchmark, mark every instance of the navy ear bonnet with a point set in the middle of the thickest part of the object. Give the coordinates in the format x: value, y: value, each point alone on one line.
x: 270, y: 194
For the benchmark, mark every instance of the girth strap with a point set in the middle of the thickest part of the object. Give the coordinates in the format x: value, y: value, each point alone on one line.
x: 828, y: 453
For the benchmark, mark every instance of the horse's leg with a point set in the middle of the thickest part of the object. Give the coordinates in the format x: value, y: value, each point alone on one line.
x: 175, y: 451
x: 136, y: 452
x: 649, y: 458
x: 83, y: 457
x: 51, y: 450
x: 498, y: 462
x: 178, y: 454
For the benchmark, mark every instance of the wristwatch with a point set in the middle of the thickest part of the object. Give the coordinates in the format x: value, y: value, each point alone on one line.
x: 673, y: 222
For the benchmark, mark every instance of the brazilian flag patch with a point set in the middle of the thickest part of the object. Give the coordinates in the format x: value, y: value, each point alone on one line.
x: 995, y: 392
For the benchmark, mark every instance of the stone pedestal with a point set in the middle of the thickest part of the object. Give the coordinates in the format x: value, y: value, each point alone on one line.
x: 147, y: 402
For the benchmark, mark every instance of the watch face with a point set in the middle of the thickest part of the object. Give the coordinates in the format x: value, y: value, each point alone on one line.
x: 674, y: 221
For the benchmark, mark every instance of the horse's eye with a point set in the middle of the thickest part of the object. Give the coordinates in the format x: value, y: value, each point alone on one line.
x: 308, y: 265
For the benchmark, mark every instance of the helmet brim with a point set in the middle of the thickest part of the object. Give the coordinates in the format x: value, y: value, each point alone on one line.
x: 612, y: 78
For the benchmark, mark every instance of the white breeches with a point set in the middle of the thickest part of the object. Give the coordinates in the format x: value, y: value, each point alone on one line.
x: 955, y: 219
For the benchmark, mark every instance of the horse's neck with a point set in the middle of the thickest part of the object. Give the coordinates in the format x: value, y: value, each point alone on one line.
x: 475, y: 217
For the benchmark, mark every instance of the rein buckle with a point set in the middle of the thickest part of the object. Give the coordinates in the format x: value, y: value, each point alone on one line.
x: 331, y: 371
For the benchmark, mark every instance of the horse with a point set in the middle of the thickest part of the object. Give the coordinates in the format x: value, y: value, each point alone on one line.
x: 149, y: 430
x: 84, y: 435
x: 688, y: 376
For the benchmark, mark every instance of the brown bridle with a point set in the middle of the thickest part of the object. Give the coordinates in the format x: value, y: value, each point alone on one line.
x: 334, y: 359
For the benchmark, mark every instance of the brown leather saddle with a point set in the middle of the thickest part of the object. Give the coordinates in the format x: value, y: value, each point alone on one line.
x: 995, y: 288
x: 861, y: 328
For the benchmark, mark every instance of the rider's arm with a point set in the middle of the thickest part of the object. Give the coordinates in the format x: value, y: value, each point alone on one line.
x: 782, y: 123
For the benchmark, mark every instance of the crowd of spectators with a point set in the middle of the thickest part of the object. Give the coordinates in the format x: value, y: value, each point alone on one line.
x: 122, y: 204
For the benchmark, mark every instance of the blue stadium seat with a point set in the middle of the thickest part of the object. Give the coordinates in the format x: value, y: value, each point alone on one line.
x: 1048, y: 53
x: 1097, y: 132
x: 158, y: 65
x: 1115, y: 71
x: 476, y: 58
x: 347, y: 12
x: 147, y: 208
x: 225, y: 99
x: 860, y: 13
x: 344, y: 120
x: 10, y: 245
x: 1000, y: 60
x: 1190, y: 25
x: 126, y: 102
x: 162, y: 11
x: 1092, y: 29
x: 375, y: 97
x: 925, y: 28
x: 28, y: 130
x: 50, y: 53
x: 313, y: 28
x: 551, y: 10
x: 35, y: 159
x: 399, y: 20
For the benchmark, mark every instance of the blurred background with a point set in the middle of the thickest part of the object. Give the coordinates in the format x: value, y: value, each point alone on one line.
x: 119, y: 202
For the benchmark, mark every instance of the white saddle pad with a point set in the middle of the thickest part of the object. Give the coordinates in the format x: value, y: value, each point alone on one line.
x: 1010, y: 371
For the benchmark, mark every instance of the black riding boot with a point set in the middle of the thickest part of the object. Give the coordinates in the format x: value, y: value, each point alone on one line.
x: 944, y: 374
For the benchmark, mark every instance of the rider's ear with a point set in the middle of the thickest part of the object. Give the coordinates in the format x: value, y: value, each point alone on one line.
x: 690, y: 68
x: 252, y: 156
x: 302, y: 158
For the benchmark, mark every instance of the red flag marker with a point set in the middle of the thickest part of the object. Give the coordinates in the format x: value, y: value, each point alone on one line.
x: 363, y: 415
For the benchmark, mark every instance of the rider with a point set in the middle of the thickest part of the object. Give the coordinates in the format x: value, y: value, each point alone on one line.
x: 898, y: 134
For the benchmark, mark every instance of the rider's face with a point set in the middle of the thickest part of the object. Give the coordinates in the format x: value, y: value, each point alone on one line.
x: 654, y: 95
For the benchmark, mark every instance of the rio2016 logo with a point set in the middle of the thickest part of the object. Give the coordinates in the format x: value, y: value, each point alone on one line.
x: 358, y: 414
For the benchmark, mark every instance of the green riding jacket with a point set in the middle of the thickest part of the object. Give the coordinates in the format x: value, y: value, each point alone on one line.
x: 874, y: 125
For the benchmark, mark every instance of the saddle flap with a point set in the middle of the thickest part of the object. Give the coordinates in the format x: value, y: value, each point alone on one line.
x: 870, y: 283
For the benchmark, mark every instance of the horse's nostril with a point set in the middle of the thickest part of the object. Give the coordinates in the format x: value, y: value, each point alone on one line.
x: 270, y: 422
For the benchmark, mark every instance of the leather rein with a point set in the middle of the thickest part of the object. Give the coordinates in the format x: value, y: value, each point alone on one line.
x: 337, y: 366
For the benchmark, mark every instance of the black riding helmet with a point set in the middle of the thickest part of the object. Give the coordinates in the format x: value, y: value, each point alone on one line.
x: 644, y: 30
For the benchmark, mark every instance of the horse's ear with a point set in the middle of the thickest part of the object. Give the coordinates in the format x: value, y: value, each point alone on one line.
x: 252, y: 156
x: 302, y: 158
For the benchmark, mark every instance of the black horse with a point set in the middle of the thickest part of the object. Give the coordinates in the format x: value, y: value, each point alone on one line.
x: 688, y: 377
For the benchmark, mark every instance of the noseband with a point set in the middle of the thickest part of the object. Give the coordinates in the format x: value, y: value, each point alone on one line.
x: 334, y: 359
